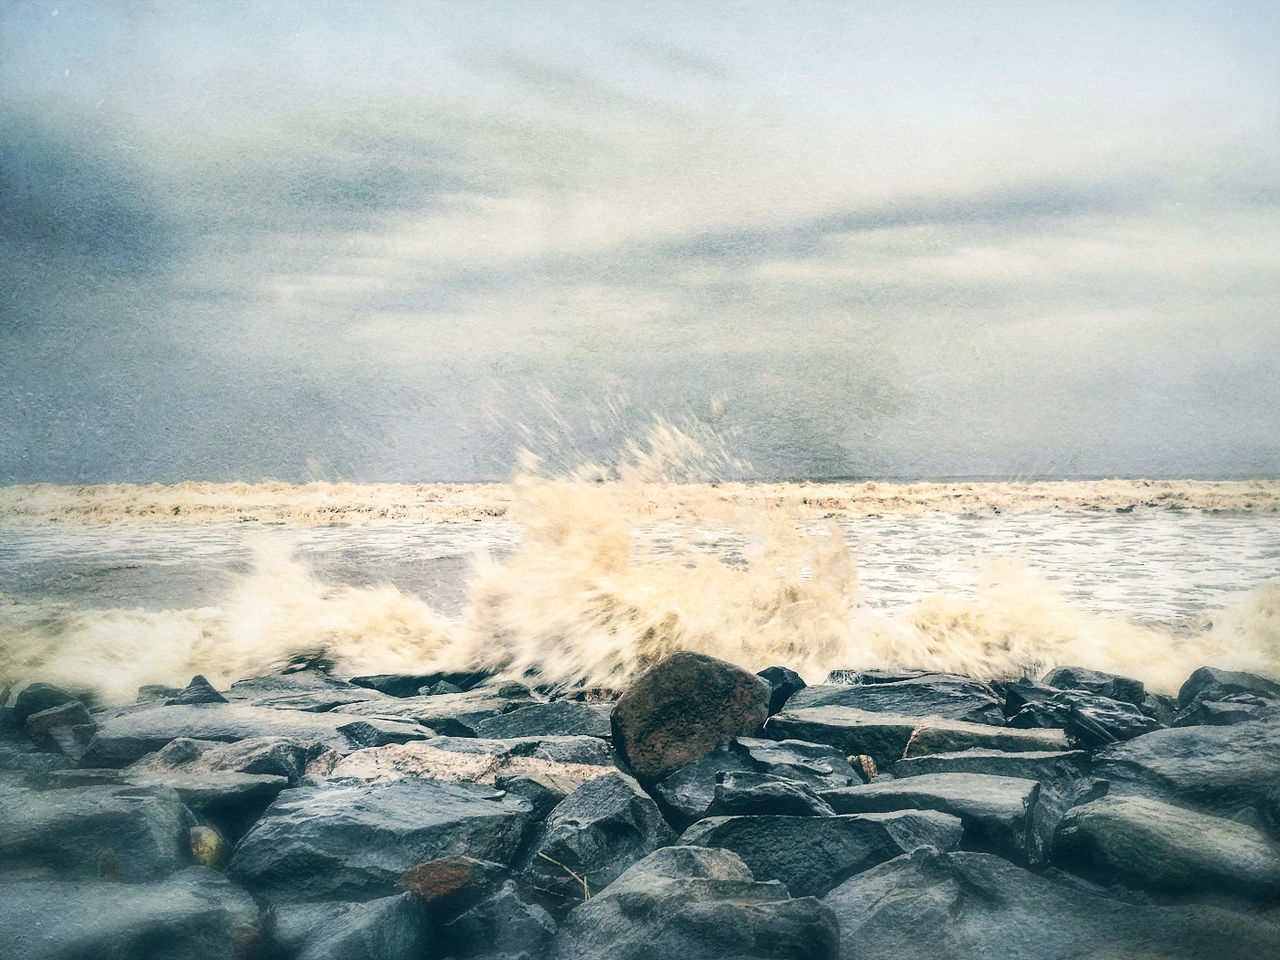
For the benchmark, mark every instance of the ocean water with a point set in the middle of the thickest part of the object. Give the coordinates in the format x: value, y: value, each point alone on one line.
x: 584, y: 580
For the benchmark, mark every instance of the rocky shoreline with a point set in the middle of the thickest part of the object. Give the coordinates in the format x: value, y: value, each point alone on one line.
x: 704, y: 812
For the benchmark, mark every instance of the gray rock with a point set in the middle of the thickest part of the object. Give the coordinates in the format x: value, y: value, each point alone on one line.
x: 36, y: 697
x: 762, y: 794
x: 1107, y: 685
x: 1217, y: 770
x: 1089, y: 720
x: 390, y: 928
x: 941, y: 695
x: 454, y: 884
x: 596, y: 832
x: 782, y: 684
x: 379, y: 731
x: 543, y: 789
x: 122, y: 739
x: 66, y: 728
x: 341, y: 841
x: 194, y: 915
x: 409, y: 684
x: 885, y: 737
x: 560, y: 718
x: 313, y: 691
x: 260, y: 756
x: 1210, y: 683
x: 1064, y: 776
x: 232, y: 802
x: 503, y: 924
x: 695, y: 903
x: 680, y: 709
x: 1003, y: 814
x: 686, y: 794
x: 86, y: 832
x: 479, y: 761
x: 958, y: 906
x: 1162, y: 847
x: 199, y: 690
x: 454, y: 714
x: 813, y: 854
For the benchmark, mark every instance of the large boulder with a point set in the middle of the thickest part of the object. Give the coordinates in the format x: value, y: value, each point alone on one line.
x: 695, y: 903
x: 389, y: 928
x: 940, y: 695
x: 259, y: 756
x: 99, y: 830
x: 958, y: 906
x: 194, y: 915
x: 1223, y: 771
x: 886, y: 737
x: 1064, y: 776
x: 813, y: 854
x: 760, y: 794
x: 479, y: 761
x: 1003, y: 814
x: 783, y: 682
x: 1231, y: 709
x: 501, y: 925
x: 1108, y: 685
x: 560, y: 718
x: 1210, y: 683
x: 199, y: 690
x: 35, y: 698
x: 680, y: 709
x: 66, y: 728
x: 342, y: 841
x: 1089, y: 720
x: 1161, y: 847
x: 594, y: 834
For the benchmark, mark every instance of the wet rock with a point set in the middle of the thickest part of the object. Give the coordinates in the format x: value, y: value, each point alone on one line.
x: 680, y: 709
x: 1232, y: 709
x: 153, y: 692
x: 199, y: 690
x: 452, y: 715
x: 1217, y: 770
x: 958, y: 906
x: 501, y: 924
x: 813, y: 854
x: 389, y: 928
x: 541, y: 788
x: 479, y: 761
x: 890, y: 675
x: 36, y: 697
x: 261, y: 756
x: 194, y: 914
x: 1064, y: 776
x: 378, y: 732
x: 782, y: 684
x: 596, y: 832
x: 1089, y: 720
x: 312, y: 691
x: 560, y: 718
x: 409, y: 684
x: 355, y: 841
x: 453, y: 884
x: 1101, y: 684
x: 208, y: 847
x: 1161, y: 847
x: 762, y: 794
x: 1003, y: 814
x: 439, y: 689
x: 126, y: 832
x: 941, y: 695
x: 231, y: 801
x: 1210, y: 683
x: 686, y: 794
x: 122, y: 739
x: 1160, y: 707
x: 887, y: 737
x: 695, y: 904
x: 66, y: 728
x: 24, y: 756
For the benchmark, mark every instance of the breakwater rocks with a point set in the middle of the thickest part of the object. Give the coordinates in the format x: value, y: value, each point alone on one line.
x: 703, y: 813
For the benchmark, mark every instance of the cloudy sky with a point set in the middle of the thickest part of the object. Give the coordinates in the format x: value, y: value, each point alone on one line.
x: 377, y: 240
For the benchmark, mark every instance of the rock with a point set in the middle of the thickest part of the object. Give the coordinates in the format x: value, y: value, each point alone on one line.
x: 389, y: 928
x: 1064, y: 776
x: 782, y: 684
x: 1101, y: 684
x: 941, y: 695
x: 232, y: 802
x: 762, y: 794
x: 1161, y: 847
x: 680, y: 709
x: 596, y: 832
x: 1216, y: 770
x: 355, y: 841
x: 262, y: 756
x: 439, y: 689
x: 453, y: 715
x: 1157, y: 706
x: 409, y: 684
x: 23, y: 756
x: 140, y: 833
x: 892, y: 675
x: 1089, y: 720
x: 560, y: 718
x: 541, y: 788
x: 1210, y: 683
x: 194, y: 914
x: 886, y: 737
x: 502, y: 924
x: 694, y: 903
x: 453, y: 884
x: 958, y: 906
x: 36, y: 697
x: 66, y: 728
x: 199, y: 690
x: 152, y: 692
x: 208, y: 847
x: 1232, y: 709
x: 312, y: 691
x: 479, y: 761
x: 122, y: 739
x: 686, y: 794
x: 813, y: 854
x: 378, y: 732
x: 1003, y: 814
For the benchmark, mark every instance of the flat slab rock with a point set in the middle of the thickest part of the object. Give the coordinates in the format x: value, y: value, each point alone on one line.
x: 813, y: 854
x: 695, y: 903
x: 355, y: 841
x: 888, y: 737
x: 1065, y: 777
x: 941, y: 695
x: 1162, y: 847
x: 195, y: 914
x: 577, y: 759
x: 959, y: 906
x: 1000, y: 813
x: 560, y: 718
x: 451, y: 714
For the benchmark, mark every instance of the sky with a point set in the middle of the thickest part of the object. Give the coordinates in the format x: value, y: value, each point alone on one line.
x: 394, y: 241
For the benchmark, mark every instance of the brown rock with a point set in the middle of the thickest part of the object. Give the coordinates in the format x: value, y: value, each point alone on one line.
x: 453, y: 883
x: 680, y: 709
